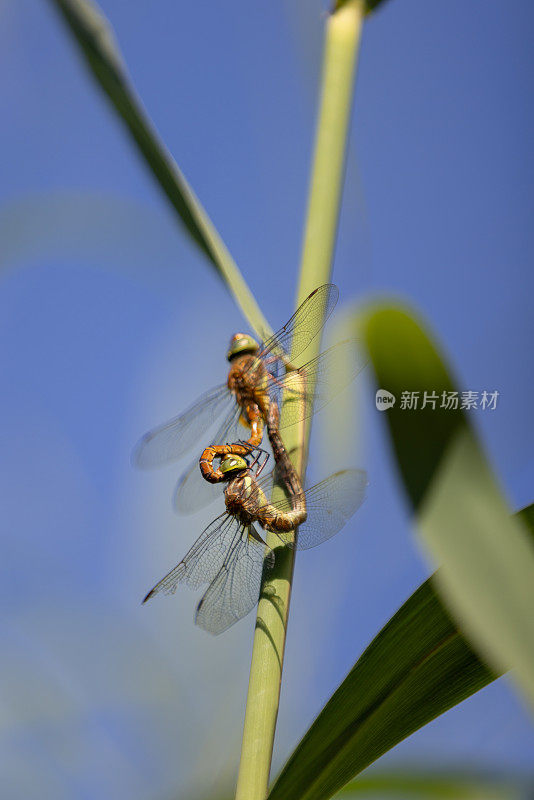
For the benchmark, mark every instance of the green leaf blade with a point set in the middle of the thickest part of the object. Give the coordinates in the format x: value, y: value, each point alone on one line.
x: 95, y: 39
x: 485, y: 556
x: 450, y: 785
x: 417, y: 667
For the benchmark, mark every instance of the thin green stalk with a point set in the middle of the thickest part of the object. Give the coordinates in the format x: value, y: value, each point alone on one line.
x: 343, y: 31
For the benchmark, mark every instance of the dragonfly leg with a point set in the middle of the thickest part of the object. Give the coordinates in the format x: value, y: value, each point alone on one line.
x: 260, y: 452
x: 254, y: 418
x: 262, y: 467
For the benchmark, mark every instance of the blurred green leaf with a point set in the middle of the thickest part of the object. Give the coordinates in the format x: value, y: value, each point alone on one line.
x: 415, y: 669
x: 431, y: 786
x: 486, y: 559
x: 96, y: 41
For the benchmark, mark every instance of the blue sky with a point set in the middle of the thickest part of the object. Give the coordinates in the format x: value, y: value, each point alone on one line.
x: 111, y: 322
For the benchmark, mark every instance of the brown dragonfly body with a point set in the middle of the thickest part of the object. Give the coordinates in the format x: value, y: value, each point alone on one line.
x: 286, y: 471
x: 259, y: 375
x: 248, y: 382
x: 246, y: 501
x: 243, y: 495
x: 230, y: 554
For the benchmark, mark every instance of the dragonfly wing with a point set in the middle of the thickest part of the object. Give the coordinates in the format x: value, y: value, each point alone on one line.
x: 307, y: 321
x: 205, y: 558
x: 235, y: 589
x: 192, y: 491
x: 306, y: 390
x: 329, y: 506
x: 173, y: 439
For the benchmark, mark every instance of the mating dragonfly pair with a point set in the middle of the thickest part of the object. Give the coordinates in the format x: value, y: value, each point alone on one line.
x: 230, y: 554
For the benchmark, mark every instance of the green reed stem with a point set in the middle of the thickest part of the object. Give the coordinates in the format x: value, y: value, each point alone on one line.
x: 343, y: 30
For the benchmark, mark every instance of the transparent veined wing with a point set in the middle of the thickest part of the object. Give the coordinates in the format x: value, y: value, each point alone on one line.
x: 192, y: 491
x: 204, y: 559
x: 174, y: 438
x: 311, y: 387
x: 307, y: 321
x: 329, y: 506
x: 235, y: 590
x: 230, y: 557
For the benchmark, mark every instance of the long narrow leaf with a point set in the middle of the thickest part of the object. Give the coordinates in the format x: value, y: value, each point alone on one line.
x: 93, y: 34
x: 415, y: 669
x: 450, y: 785
x: 486, y: 560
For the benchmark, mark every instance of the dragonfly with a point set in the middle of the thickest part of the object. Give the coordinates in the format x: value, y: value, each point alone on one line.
x: 231, y: 554
x: 258, y: 376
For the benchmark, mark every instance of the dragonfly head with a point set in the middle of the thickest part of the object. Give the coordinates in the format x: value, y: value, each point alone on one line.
x: 232, y: 464
x: 241, y: 343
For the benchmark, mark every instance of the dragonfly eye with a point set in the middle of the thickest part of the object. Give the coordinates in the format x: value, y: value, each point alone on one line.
x: 233, y: 464
x: 241, y: 343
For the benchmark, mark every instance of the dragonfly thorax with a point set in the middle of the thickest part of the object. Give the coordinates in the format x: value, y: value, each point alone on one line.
x: 247, y: 380
x: 243, y: 498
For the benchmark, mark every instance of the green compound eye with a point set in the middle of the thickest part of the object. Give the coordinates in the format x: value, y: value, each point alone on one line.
x: 233, y: 463
x: 241, y: 343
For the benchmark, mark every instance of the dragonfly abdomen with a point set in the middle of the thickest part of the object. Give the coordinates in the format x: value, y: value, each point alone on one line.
x: 207, y: 469
x: 282, y: 521
x: 247, y: 380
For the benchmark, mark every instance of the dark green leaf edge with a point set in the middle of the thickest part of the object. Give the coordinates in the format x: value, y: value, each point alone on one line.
x: 429, y: 785
x: 94, y: 36
x: 415, y: 669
